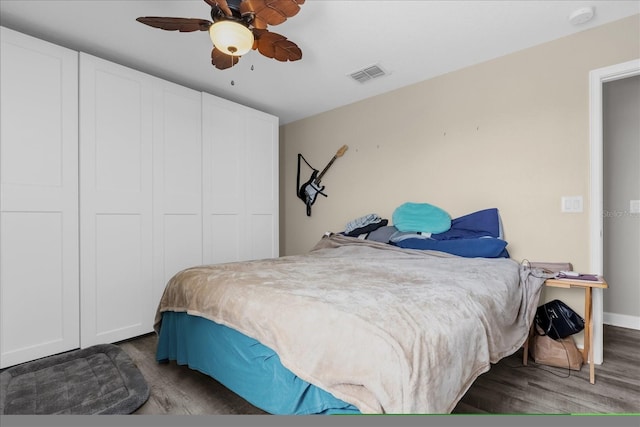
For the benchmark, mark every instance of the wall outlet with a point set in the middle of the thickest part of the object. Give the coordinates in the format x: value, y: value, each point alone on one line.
x: 634, y: 206
x: 571, y: 204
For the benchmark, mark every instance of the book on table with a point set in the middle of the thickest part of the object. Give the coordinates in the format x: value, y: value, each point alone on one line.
x: 572, y: 275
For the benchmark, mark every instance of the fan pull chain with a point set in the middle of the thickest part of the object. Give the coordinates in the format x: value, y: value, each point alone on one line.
x: 233, y: 83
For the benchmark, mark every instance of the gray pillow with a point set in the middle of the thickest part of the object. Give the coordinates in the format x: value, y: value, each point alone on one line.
x: 382, y: 234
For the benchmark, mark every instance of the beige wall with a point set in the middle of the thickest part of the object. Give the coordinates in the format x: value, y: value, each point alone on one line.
x: 511, y: 133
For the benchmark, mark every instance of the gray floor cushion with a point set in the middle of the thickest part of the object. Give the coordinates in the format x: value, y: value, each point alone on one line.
x: 97, y: 380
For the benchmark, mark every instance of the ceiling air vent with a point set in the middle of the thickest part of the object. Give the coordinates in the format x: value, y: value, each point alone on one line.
x: 367, y: 74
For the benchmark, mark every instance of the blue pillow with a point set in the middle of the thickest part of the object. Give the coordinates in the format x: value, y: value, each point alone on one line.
x: 486, y: 247
x: 421, y: 217
x: 477, y: 224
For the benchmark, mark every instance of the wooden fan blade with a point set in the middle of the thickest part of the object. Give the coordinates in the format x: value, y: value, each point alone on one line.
x: 276, y: 46
x: 273, y: 12
x: 259, y: 23
x: 221, y: 60
x: 184, y: 25
x: 221, y: 4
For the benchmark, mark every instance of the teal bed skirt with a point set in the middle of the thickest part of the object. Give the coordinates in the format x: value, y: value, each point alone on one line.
x: 243, y: 365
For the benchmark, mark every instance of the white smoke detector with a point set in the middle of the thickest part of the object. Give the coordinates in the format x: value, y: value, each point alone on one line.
x: 580, y: 16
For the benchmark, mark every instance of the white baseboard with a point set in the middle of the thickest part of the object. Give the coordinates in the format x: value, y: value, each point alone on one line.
x: 621, y: 320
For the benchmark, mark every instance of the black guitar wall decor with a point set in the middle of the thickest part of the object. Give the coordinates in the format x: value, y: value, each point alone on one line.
x: 308, y: 192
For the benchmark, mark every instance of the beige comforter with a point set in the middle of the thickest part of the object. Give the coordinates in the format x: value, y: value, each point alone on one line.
x: 389, y: 330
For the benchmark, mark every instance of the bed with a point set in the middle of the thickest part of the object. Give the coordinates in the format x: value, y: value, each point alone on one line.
x: 353, y: 326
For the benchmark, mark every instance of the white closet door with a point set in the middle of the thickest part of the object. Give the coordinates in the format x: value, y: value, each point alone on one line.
x: 177, y: 170
x: 116, y: 233
x: 224, y: 178
x: 240, y: 182
x: 262, y: 203
x: 39, y: 199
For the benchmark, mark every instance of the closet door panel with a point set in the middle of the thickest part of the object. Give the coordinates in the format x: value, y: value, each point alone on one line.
x: 119, y: 257
x: 118, y: 134
x: 224, y: 176
x: 32, y: 282
x: 222, y: 238
x: 262, y: 187
x: 261, y: 243
x: 226, y: 164
x: 180, y: 143
x: 240, y: 175
x: 182, y: 245
x: 115, y: 201
x: 177, y: 182
x: 38, y: 199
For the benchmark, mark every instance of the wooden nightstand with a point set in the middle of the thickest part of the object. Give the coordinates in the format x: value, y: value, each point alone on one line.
x: 587, y: 351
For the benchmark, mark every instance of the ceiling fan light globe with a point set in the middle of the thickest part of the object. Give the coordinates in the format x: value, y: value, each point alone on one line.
x: 231, y: 37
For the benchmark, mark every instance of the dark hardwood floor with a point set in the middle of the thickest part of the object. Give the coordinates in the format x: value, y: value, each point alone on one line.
x: 508, y: 388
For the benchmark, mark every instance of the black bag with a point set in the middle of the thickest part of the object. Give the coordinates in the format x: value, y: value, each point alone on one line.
x: 558, y: 320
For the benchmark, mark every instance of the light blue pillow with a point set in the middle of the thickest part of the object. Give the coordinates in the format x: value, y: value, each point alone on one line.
x: 421, y: 217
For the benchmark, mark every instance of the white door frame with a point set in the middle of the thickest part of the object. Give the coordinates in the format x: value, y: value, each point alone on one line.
x: 597, y: 78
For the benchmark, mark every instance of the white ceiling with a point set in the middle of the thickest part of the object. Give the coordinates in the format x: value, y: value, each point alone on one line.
x: 411, y: 40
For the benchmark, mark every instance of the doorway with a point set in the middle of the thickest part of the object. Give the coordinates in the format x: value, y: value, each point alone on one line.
x: 621, y: 194
x: 597, y: 78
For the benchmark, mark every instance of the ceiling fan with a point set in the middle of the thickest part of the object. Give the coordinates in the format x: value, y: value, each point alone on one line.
x: 239, y: 26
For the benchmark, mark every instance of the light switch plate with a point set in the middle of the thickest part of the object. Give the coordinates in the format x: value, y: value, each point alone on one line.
x: 571, y: 204
x: 634, y: 206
